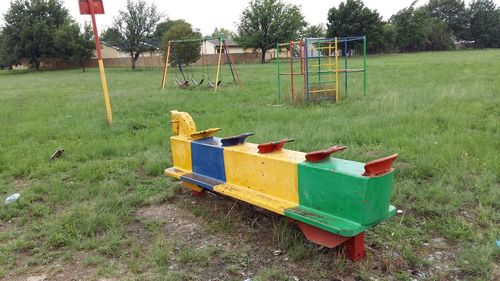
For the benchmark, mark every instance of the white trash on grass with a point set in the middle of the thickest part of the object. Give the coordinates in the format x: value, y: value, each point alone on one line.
x: 12, y: 198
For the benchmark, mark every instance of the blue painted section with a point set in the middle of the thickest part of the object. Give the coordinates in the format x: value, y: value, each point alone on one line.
x: 201, y: 181
x: 207, y: 156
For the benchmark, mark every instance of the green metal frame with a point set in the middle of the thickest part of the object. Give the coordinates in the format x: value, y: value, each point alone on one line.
x: 319, y: 72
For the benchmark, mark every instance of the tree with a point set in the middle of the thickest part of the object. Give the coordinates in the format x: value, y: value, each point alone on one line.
x: 314, y: 31
x: 75, y: 45
x: 4, y: 54
x: 352, y: 18
x: 30, y: 28
x: 451, y: 12
x: 228, y: 34
x: 161, y: 29
x: 112, y: 36
x: 134, y: 27
x: 186, y: 52
x: 410, y: 29
x: 438, y: 35
x: 484, y: 24
x: 267, y: 22
x: 389, y: 37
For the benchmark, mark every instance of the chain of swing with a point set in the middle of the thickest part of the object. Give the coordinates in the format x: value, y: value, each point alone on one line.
x: 186, y: 72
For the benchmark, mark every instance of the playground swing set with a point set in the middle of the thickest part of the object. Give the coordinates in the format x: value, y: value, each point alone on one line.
x: 184, y: 74
x: 318, y: 70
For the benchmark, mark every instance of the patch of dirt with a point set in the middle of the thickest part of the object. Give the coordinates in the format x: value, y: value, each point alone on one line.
x: 140, y: 172
x: 21, y: 183
x: 179, y: 224
x: 58, y: 270
x: 441, y: 257
x: 251, y: 234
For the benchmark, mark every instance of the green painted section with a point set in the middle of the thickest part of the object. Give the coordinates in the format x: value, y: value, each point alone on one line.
x: 334, y: 196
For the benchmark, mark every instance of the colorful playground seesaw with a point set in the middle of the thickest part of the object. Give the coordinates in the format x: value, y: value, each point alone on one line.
x: 333, y: 200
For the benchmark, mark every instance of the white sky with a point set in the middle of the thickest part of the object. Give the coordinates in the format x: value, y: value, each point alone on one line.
x: 206, y: 15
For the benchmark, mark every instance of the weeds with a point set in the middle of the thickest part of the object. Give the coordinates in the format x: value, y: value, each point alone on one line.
x: 439, y: 111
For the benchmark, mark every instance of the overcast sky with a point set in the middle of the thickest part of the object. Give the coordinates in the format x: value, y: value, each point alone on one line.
x: 207, y: 15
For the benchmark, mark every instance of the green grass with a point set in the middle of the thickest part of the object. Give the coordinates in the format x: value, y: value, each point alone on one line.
x: 439, y: 111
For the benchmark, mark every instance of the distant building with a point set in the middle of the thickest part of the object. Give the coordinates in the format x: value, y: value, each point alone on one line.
x: 212, y: 46
x: 110, y: 52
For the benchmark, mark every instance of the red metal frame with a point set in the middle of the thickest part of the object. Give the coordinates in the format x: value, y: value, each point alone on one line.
x: 93, y: 7
x: 320, y: 236
x: 198, y: 193
x: 380, y: 166
x: 354, y: 246
x: 85, y: 7
x: 231, y: 61
x: 316, y: 156
x: 272, y: 146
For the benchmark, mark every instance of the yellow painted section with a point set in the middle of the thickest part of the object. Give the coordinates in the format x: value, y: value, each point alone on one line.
x: 165, y: 69
x: 175, y: 173
x: 256, y: 198
x: 183, y: 125
x: 181, y: 154
x: 204, y: 134
x: 274, y: 175
x: 191, y: 186
x: 105, y: 91
x: 218, y: 67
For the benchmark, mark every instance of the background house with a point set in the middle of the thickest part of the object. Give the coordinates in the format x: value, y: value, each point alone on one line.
x: 212, y: 46
x: 112, y: 52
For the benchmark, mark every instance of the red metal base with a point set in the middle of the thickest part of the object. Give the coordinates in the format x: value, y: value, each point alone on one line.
x: 321, y: 237
x: 354, y: 246
x: 198, y: 193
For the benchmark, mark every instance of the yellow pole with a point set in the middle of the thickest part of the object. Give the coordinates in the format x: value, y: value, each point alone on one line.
x: 165, y: 69
x: 105, y: 91
x: 218, y: 67
x: 330, y: 62
x: 336, y: 72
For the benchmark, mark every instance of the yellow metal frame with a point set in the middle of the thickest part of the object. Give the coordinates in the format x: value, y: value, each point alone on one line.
x: 330, y: 62
x: 218, y: 68
x: 105, y: 91
x: 165, y: 68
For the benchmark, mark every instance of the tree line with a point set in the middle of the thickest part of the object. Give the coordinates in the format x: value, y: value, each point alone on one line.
x: 38, y: 30
x: 435, y: 26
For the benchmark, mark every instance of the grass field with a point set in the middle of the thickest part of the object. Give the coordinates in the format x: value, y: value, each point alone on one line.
x: 105, y: 210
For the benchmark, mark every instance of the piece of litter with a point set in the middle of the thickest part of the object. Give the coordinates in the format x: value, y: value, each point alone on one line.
x: 12, y: 198
x: 498, y: 243
x: 277, y: 252
x: 399, y: 212
x: 57, y: 153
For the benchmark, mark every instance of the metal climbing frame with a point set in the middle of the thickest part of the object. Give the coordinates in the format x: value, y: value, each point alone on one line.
x: 319, y: 67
